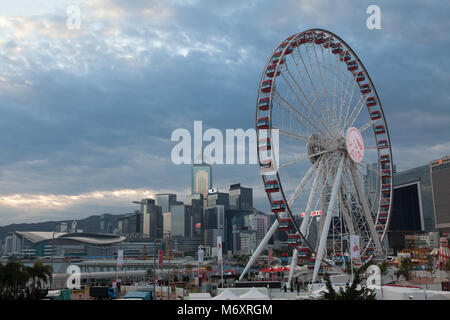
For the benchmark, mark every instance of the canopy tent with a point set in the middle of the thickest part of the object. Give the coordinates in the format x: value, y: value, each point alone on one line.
x: 275, y: 269
x: 226, y: 295
x: 253, y: 294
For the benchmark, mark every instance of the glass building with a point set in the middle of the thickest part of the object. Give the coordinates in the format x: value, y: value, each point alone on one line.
x: 166, y: 200
x: 412, y: 207
x: 241, y: 198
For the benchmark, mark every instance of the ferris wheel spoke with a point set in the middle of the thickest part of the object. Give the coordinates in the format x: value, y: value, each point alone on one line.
x: 300, y: 114
x: 345, y: 76
x: 292, y: 135
x: 325, y: 89
x: 299, y: 189
x: 346, y: 213
x: 334, y: 73
x: 305, y: 157
x: 359, y: 109
x: 348, y: 104
x: 300, y: 100
x: 368, y: 125
x: 312, y: 83
x: 312, y: 194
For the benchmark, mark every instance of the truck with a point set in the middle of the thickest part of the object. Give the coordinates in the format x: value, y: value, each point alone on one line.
x: 138, y: 295
x: 101, y: 293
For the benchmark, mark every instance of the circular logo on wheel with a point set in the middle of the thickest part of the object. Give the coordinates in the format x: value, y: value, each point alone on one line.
x: 355, y: 144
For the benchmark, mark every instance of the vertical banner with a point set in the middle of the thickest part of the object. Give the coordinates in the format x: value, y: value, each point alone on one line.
x: 219, y: 249
x: 120, y: 258
x: 270, y: 256
x: 354, y: 246
x: 160, y: 258
x: 201, y: 255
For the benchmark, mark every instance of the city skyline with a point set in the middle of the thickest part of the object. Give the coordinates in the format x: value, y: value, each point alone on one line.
x: 87, y: 114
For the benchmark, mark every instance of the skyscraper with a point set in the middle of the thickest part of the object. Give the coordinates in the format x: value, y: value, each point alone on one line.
x: 152, y: 219
x: 440, y: 181
x: 166, y: 200
x: 241, y: 198
x: 201, y: 178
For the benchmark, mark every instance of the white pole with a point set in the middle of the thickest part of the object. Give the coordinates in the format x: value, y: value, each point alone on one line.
x: 305, y: 221
x: 293, y: 265
x: 330, y: 213
x: 260, y: 248
x: 221, y: 271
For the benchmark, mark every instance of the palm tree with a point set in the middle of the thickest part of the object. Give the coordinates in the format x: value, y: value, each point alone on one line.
x: 351, y: 292
x: 406, y: 266
x: 39, y: 273
x: 13, y: 276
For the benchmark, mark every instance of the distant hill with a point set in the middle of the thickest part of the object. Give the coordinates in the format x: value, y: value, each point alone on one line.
x: 89, y: 224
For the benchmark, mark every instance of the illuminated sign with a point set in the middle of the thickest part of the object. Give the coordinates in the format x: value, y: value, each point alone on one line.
x: 313, y: 213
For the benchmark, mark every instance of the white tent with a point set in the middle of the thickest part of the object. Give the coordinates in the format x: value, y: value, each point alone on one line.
x: 226, y: 295
x: 253, y: 294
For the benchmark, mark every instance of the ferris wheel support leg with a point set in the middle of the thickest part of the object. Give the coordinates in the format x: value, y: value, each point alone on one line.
x: 330, y: 213
x: 365, y: 207
x: 309, y: 204
x: 299, y: 189
x: 293, y: 265
x: 260, y: 248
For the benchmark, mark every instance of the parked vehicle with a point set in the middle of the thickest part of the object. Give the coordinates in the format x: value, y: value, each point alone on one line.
x: 140, y: 295
x: 101, y: 293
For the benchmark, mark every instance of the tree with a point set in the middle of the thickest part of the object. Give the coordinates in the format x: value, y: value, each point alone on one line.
x: 149, y: 273
x: 13, y: 277
x: 350, y: 292
x: 383, y: 267
x: 40, y: 273
x: 405, y: 268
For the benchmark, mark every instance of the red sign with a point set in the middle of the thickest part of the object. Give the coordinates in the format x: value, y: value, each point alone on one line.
x: 355, y: 144
x: 160, y: 257
x: 270, y: 256
x: 313, y: 213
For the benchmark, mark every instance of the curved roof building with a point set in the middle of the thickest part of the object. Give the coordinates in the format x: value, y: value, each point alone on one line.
x: 79, y: 244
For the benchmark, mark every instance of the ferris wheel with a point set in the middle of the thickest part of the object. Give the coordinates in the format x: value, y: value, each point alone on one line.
x: 324, y: 151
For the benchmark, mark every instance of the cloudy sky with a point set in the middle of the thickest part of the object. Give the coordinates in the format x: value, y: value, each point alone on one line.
x: 87, y: 114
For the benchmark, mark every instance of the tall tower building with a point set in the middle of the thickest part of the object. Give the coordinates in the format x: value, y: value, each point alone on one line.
x: 440, y: 183
x: 201, y: 177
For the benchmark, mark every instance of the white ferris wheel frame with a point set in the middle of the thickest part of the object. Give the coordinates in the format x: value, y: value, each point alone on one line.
x: 328, y: 126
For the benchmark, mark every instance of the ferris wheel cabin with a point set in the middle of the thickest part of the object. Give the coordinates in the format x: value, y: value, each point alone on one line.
x: 278, y: 206
x: 272, y: 186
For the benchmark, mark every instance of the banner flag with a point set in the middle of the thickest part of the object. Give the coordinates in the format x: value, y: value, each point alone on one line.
x: 354, y: 246
x: 120, y: 258
x: 201, y: 255
x: 160, y: 258
x: 219, y: 249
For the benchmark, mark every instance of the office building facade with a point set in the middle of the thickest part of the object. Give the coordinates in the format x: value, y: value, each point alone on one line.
x: 440, y: 181
x: 412, y: 207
